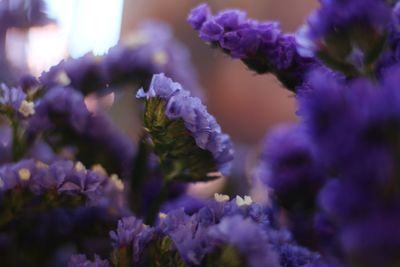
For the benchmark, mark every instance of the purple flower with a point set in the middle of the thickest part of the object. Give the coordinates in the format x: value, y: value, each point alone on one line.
x: 199, y: 15
x: 260, y: 45
x: 288, y: 165
x: 249, y: 240
x: 134, y: 235
x: 211, y: 31
x: 239, y: 224
x: 346, y: 35
x: 63, y: 112
x: 14, y: 100
x: 189, y: 236
x: 330, y: 106
x: 64, y: 177
x: 177, y: 104
x: 374, y: 240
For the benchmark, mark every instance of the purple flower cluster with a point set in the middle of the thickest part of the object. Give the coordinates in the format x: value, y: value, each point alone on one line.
x: 14, y: 101
x: 203, y: 127
x: 209, y: 229
x: 62, y: 111
x: 332, y: 177
x: 343, y: 160
x: 202, y: 239
x: 150, y: 49
x: 363, y: 158
x: 22, y: 14
x: 60, y: 177
x: 288, y: 165
x: 346, y: 35
x: 57, y: 205
x: 260, y: 45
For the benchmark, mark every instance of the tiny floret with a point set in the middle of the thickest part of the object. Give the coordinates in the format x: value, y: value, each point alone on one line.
x: 162, y: 215
x: 79, y: 167
x: 245, y: 201
x: 160, y: 57
x: 221, y: 197
x: 24, y: 174
x: 62, y: 78
x: 99, y: 169
x: 27, y: 108
x: 117, y: 182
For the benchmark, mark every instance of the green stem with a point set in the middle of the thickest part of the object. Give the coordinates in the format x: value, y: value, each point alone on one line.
x: 15, y: 141
x: 139, y: 174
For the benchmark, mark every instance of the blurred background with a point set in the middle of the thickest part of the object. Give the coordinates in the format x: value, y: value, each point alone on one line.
x: 246, y: 105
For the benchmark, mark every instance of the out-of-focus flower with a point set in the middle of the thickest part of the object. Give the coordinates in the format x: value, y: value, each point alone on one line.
x: 151, y: 49
x: 62, y: 111
x: 346, y: 35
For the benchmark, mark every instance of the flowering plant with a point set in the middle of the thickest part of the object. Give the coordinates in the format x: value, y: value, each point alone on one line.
x: 76, y: 191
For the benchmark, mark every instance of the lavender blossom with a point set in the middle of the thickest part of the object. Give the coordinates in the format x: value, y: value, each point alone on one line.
x: 288, y: 165
x: 260, y: 45
x: 183, y: 130
x: 22, y: 14
x: 347, y: 35
x: 249, y: 239
x: 62, y: 111
x: 57, y: 205
x: 357, y: 145
x: 64, y: 177
x: 201, y: 237
x: 330, y: 106
x: 14, y: 101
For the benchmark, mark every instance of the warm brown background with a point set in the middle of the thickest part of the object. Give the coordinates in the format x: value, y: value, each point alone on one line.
x: 245, y: 104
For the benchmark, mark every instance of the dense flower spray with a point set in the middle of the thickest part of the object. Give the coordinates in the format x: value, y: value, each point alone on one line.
x: 72, y: 181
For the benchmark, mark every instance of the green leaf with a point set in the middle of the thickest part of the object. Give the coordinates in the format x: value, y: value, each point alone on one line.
x: 161, y: 253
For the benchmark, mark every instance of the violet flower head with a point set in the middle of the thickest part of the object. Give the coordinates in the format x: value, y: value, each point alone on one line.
x: 63, y: 111
x: 262, y: 46
x: 248, y: 239
x: 13, y: 101
x: 199, y: 15
x: 226, y: 232
x: 131, y: 232
x: 365, y: 149
x: 64, y: 177
x: 23, y: 13
x: 348, y: 36
x: 289, y: 165
x: 175, y: 118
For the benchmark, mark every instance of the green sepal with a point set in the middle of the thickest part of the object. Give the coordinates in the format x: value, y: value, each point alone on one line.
x: 161, y: 253
x: 122, y: 257
x: 21, y: 202
x: 227, y: 256
x: 180, y: 157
